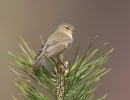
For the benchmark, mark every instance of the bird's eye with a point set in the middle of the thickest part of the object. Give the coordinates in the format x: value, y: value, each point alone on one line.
x: 67, y: 27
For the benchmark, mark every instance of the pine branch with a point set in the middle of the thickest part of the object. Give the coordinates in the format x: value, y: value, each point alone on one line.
x: 76, y: 81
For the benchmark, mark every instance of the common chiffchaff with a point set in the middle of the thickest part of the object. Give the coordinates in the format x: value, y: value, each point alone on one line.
x: 56, y: 44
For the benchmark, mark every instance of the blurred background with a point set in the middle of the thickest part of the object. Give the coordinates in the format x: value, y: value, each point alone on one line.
x: 109, y: 19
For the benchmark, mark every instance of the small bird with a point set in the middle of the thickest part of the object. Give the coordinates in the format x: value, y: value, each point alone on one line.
x: 56, y: 44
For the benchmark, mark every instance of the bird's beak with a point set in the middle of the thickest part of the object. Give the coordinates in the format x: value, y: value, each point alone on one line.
x: 74, y: 31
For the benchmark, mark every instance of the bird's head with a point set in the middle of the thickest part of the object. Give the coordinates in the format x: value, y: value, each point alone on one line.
x: 66, y: 28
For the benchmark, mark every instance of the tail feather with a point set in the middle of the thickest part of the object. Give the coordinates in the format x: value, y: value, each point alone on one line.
x: 38, y: 63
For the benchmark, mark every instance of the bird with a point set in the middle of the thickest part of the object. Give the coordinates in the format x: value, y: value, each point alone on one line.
x: 56, y: 44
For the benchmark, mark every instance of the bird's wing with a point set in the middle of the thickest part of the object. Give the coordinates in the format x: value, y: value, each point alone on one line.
x: 40, y: 50
x: 55, y: 49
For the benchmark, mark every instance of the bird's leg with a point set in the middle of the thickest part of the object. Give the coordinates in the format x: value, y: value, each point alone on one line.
x: 59, y: 60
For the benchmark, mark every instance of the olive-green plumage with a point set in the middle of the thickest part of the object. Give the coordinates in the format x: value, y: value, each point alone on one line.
x: 56, y: 44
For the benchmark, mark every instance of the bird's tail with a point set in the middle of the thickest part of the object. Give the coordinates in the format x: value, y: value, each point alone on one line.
x: 38, y: 63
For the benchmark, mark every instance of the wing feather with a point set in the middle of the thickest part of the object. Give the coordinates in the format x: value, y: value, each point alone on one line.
x: 55, y: 50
